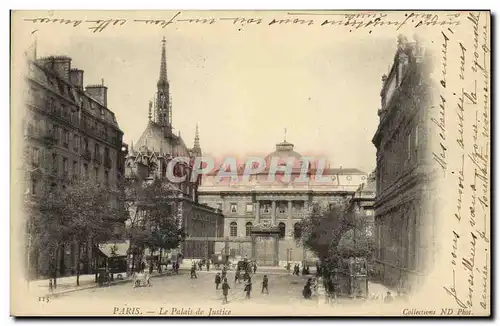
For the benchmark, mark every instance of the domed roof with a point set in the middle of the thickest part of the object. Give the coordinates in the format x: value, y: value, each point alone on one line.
x: 284, y: 150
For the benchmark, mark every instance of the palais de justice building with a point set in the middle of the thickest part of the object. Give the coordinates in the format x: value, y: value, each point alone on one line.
x: 256, y: 205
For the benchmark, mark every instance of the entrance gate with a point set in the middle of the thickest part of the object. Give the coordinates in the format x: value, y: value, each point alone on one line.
x: 265, y: 242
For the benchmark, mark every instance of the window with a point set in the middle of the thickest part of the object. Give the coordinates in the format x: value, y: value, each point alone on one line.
x: 249, y: 208
x: 106, y: 178
x: 267, y: 208
x: 331, y: 206
x: 233, y: 229
x: 85, y: 170
x: 282, y: 208
x: 234, y: 208
x: 65, y: 164
x: 75, y: 168
x: 282, y: 228
x: 297, y: 231
x: 35, y: 159
x: 65, y: 134
x: 33, y: 186
x: 96, y: 175
x: 76, y: 141
x: 96, y: 150
x: 248, y: 229
x: 54, y: 162
x: 85, y: 144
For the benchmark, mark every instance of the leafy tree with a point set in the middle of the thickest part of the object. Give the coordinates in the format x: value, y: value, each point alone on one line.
x: 336, y: 232
x: 153, y: 223
x: 84, y: 211
x: 322, y: 229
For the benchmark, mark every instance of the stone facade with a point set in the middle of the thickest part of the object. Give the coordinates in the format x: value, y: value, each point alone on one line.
x: 255, y: 202
x: 402, y: 218
x: 69, y: 133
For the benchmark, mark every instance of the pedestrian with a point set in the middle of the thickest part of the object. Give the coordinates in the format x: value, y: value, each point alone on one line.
x: 224, y: 272
x: 193, y: 272
x: 225, y: 291
x: 265, y: 283
x: 208, y: 265
x: 177, y: 268
x: 217, y: 281
x: 254, y: 267
x: 248, y: 287
x: 200, y: 265
x: 237, y: 276
x: 388, y: 298
x: 50, y: 285
x: 306, y: 292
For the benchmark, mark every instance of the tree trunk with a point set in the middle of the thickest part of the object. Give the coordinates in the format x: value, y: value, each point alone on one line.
x: 78, y: 264
x: 159, y: 261
x: 55, y: 267
x: 151, y: 252
x: 95, y: 264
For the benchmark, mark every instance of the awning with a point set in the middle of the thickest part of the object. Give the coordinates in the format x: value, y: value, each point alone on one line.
x: 115, y: 248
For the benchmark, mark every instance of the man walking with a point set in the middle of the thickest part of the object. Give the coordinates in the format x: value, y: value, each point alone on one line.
x: 217, y: 281
x: 265, y: 283
x: 193, y: 272
x: 225, y: 291
x: 248, y: 287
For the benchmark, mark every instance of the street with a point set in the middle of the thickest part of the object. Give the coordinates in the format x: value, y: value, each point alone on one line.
x: 181, y: 289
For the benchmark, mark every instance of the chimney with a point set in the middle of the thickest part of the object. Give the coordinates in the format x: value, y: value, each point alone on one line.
x: 76, y: 78
x: 99, y: 93
x: 61, y: 65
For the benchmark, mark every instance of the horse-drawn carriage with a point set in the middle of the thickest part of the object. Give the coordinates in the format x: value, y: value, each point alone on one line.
x: 141, y: 279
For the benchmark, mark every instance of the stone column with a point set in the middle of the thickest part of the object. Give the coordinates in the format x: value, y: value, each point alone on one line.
x: 276, y: 250
x: 290, y: 223
x: 273, y: 213
x: 257, y: 212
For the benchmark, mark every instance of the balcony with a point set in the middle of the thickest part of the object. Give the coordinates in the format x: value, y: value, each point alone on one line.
x: 86, y: 155
x: 107, y: 162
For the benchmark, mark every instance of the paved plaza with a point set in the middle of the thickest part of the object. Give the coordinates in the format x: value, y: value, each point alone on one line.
x: 284, y: 289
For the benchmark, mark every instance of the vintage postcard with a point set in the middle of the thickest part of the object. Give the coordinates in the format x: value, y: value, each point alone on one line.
x: 250, y: 163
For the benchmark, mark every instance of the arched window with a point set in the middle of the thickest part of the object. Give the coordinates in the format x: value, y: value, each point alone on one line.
x: 248, y: 229
x: 297, y: 231
x: 233, y: 229
x: 282, y: 227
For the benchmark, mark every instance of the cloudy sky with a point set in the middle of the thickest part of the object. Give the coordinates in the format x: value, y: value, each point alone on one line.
x: 243, y: 85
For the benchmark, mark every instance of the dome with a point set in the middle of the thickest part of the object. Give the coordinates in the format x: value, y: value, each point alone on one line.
x: 283, y: 152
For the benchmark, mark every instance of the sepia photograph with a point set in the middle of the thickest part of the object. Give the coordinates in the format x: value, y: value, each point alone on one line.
x: 250, y: 163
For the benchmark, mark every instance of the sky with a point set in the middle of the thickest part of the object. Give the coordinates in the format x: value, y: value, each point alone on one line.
x: 242, y: 86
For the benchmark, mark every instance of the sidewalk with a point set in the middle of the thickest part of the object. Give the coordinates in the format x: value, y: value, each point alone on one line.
x: 67, y: 284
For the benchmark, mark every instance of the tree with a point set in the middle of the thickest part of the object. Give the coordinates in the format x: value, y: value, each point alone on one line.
x: 153, y: 222
x: 338, y: 232
x: 95, y: 213
x: 322, y: 229
x: 84, y: 212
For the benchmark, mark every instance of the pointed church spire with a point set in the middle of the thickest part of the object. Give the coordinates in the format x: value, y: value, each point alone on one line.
x: 196, y: 138
x: 196, y: 146
x: 162, y: 107
x: 163, y: 65
x: 150, y: 107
